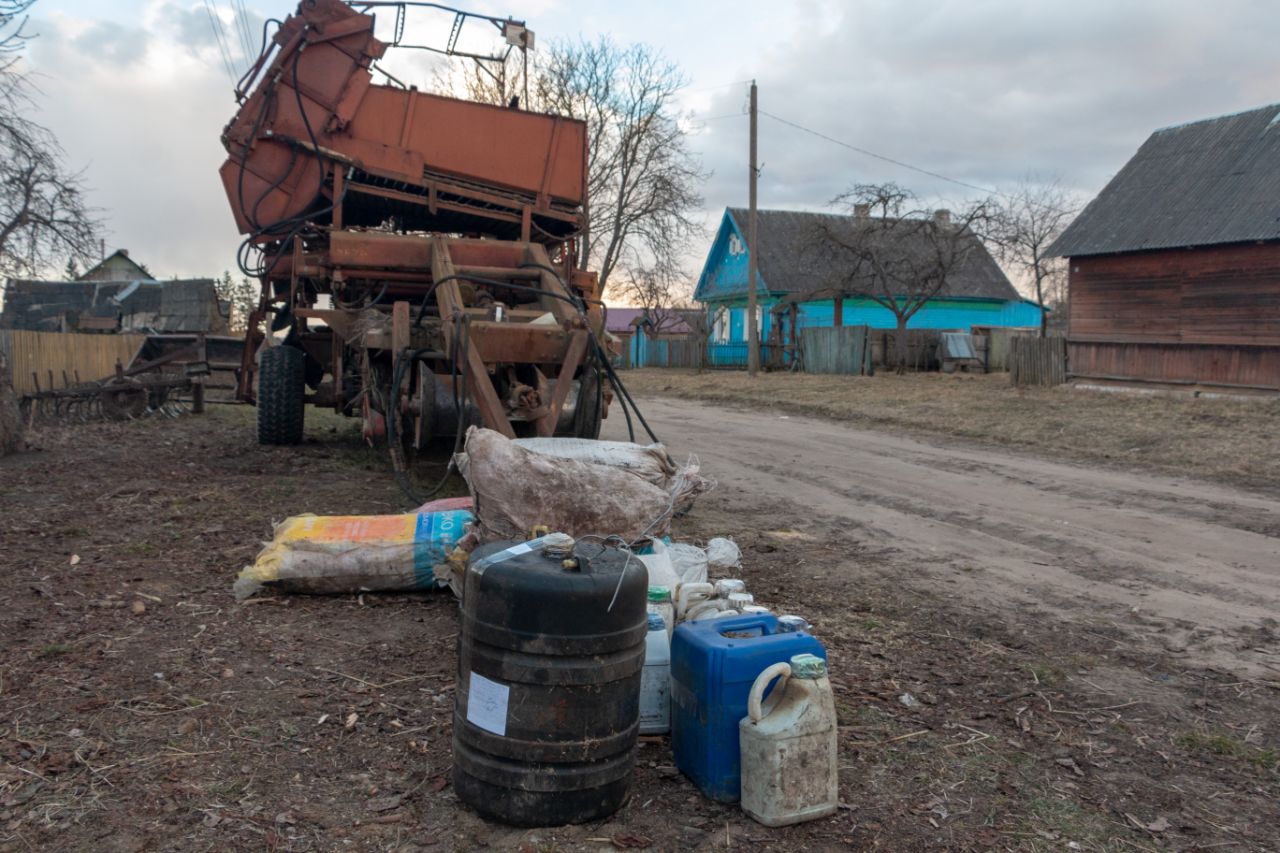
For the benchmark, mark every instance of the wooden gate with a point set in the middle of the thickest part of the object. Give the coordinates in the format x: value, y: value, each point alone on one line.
x: 838, y: 349
x: 1037, y: 361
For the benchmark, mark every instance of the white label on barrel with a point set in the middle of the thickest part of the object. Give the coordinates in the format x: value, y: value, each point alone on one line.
x: 487, y: 704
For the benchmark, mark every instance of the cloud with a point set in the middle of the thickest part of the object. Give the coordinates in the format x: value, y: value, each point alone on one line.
x: 985, y: 91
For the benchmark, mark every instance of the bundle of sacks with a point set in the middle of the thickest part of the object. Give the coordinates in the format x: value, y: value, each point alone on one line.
x: 574, y: 486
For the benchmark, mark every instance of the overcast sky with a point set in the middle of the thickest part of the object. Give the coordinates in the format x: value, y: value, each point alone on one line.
x: 982, y: 91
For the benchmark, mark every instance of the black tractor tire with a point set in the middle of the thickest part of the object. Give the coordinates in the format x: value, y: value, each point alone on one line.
x: 586, y: 420
x: 281, y: 390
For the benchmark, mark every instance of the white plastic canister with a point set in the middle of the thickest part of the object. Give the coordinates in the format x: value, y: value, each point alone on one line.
x: 655, y: 680
x: 788, y: 747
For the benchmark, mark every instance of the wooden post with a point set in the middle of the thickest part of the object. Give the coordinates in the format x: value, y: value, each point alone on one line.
x: 753, y: 337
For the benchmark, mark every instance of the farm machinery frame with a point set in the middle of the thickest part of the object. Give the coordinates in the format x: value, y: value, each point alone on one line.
x: 419, y: 254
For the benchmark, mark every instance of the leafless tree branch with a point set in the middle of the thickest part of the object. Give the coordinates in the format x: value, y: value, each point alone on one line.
x: 45, y: 216
x: 898, y: 256
x: 642, y: 178
x: 1027, y: 221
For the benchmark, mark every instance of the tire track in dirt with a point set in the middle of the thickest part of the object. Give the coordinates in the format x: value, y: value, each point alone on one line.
x: 1192, y: 566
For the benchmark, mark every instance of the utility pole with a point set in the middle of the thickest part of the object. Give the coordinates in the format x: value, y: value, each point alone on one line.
x: 753, y: 336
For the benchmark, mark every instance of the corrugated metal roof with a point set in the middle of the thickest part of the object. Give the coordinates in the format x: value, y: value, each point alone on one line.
x: 790, y: 261
x: 1198, y: 184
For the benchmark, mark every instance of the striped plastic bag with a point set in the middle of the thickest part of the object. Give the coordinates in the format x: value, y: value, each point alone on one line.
x: 327, y: 555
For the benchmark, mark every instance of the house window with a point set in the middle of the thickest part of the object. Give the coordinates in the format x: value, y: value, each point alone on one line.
x: 735, y: 245
x: 720, y: 326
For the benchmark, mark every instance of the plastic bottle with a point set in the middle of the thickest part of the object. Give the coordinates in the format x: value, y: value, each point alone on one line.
x: 660, y: 604
x: 726, y: 586
x: 793, y: 623
x: 739, y: 600
x: 788, y: 748
x: 655, y: 680
x: 710, y: 609
x: 658, y: 564
x: 690, y: 594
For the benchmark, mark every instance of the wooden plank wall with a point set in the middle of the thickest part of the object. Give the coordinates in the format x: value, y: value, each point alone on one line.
x: 1038, y: 361
x: 1215, y: 295
x: 1255, y: 367
x: 89, y: 356
x: 839, y: 349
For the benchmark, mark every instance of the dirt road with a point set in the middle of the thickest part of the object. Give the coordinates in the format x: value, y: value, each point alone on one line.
x: 1190, y: 567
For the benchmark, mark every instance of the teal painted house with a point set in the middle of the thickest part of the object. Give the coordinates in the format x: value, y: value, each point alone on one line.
x: 977, y: 293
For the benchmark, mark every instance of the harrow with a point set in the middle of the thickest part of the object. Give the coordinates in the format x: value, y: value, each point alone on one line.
x: 118, y: 398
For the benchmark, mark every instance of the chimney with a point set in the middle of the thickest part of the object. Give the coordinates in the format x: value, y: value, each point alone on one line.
x: 124, y: 253
x: 862, y: 212
x: 942, y: 218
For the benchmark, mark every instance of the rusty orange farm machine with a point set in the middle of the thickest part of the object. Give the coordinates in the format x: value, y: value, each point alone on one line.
x: 419, y: 254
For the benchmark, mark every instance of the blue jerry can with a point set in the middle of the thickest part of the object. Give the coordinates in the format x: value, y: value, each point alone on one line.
x: 713, y: 665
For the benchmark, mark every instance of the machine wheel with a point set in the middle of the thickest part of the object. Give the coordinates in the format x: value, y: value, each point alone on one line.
x: 586, y: 420
x: 281, y: 379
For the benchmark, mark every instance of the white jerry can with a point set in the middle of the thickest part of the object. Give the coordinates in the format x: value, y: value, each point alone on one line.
x: 788, y: 747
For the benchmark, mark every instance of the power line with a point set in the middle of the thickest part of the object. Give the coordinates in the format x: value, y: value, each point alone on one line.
x: 864, y: 151
x: 246, y: 29
x: 215, y: 25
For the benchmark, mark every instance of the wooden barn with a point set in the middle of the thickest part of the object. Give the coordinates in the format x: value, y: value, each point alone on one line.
x: 1175, y: 266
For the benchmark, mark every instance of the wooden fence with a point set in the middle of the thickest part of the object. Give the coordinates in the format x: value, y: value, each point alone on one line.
x: 839, y: 349
x: 1037, y: 361
x: 52, y: 358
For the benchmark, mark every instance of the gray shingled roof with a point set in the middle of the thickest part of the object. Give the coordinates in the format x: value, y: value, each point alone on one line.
x: 1198, y: 184
x: 183, y: 305
x: 789, y: 261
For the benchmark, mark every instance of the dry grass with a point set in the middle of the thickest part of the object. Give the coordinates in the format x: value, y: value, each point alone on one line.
x: 1230, y: 440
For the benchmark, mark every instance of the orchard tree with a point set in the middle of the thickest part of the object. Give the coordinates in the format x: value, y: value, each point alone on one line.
x: 642, y: 178
x: 44, y: 214
x: 1027, y: 220
x: 894, y: 253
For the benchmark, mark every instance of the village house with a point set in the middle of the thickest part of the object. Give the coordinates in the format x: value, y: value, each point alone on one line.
x: 1175, y: 266
x: 977, y: 293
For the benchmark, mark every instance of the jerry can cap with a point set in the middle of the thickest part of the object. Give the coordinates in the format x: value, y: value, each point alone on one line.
x: 808, y: 666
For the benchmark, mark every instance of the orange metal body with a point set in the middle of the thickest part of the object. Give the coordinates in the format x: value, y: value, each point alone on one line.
x: 441, y: 164
x: 460, y: 218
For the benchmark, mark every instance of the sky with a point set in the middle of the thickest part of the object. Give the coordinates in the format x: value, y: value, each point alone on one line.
x: 985, y: 92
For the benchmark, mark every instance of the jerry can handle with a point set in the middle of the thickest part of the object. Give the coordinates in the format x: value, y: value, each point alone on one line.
x: 778, y: 670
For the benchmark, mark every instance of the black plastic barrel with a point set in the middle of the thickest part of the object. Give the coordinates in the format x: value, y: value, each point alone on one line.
x: 548, y: 698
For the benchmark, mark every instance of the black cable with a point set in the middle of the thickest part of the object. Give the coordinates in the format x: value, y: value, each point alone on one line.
x: 461, y: 340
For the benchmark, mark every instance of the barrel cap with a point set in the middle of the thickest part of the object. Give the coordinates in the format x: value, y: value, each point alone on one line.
x: 808, y: 666
x: 659, y: 593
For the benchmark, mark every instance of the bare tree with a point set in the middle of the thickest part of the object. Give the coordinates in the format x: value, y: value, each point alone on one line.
x: 659, y: 290
x: 44, y: 215
x: 642, y: 178
x: 1026, y: 222
x: 896, y: 255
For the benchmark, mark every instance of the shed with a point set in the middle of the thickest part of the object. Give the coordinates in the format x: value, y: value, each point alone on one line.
x: 1174, y: 269
x: 637, y: 328
x: 978, y: 293
x: 117, y: 266
x: 181, y: 305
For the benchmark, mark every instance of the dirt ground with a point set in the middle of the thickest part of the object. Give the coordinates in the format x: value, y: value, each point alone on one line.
x: 1229, y: 440
x: 141, y: 708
